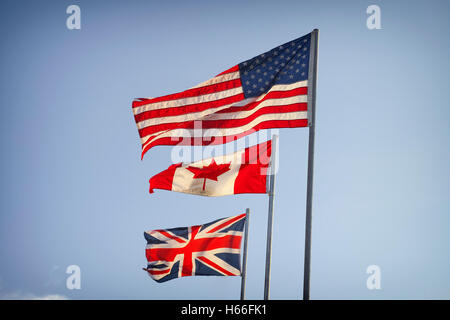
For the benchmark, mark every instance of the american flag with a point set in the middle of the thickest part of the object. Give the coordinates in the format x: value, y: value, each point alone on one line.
x: 204, y: 250
x: 267, y: 91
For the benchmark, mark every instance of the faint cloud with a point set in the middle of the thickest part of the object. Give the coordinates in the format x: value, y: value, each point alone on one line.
x: 50, y: 297
x: 31, y: 296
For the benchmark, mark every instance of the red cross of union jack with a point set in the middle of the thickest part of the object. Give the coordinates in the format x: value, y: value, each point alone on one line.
x: 209, y: 249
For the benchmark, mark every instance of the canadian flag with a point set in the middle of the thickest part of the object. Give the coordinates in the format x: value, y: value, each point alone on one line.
x: 242, y: 172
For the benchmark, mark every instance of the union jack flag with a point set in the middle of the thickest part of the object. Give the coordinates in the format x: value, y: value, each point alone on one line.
x: 205, y: 250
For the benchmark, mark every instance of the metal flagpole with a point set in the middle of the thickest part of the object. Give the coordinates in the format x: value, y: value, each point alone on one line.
x: 270, y: 217
x: 244, y: 258
x: 312, y: 83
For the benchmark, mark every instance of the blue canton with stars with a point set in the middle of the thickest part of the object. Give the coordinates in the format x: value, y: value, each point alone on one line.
x: 285, y: 64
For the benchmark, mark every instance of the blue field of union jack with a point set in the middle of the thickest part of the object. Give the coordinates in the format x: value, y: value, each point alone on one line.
x: 205, y: 250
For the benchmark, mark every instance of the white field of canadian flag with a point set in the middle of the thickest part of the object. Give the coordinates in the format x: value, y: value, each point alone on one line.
x: 244, y: 171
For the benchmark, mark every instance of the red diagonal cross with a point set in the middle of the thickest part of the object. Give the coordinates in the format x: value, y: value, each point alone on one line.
x: 193, y: 245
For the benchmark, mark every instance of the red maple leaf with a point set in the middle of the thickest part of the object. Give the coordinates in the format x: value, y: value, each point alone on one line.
x: 212, y: 171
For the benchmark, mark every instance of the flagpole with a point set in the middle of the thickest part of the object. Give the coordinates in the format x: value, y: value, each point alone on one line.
x: 312, y: 83
x: 270, y: 217
x: 244, y: 257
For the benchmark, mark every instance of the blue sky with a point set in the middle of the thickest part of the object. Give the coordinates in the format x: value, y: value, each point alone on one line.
x: 75, y: 192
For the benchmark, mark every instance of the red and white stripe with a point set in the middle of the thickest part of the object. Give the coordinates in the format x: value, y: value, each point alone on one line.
x: 220, y: 105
